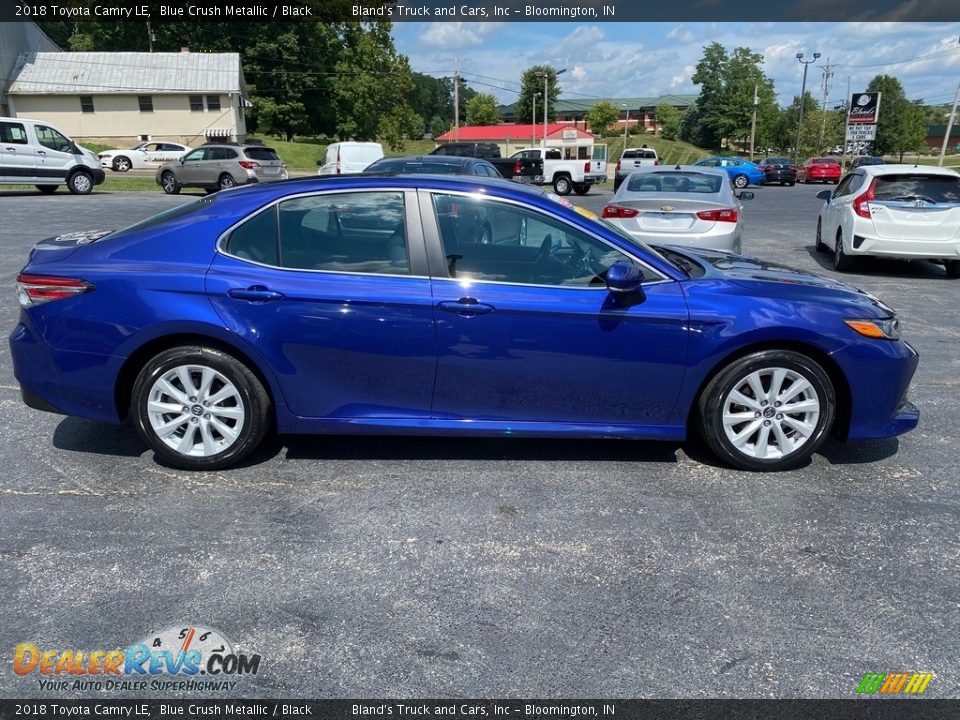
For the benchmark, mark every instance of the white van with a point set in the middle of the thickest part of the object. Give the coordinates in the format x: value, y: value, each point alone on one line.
x: 349, y: 157
x: 36, y: 153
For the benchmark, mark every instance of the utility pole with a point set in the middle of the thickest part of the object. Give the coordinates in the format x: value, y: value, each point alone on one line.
x: 626, y: 124
x: 946, y: 135
x: 846, y: 124
x: 533, y: 123
x: 456, y: 99
x: 753, y: 123
x: 150, y: 35
x: 825, y: 84
x: 803, y: 94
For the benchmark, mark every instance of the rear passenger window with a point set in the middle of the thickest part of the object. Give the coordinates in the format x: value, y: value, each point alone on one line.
x: 345, y: 232
x: 13, y: 133
x: 256, y: 239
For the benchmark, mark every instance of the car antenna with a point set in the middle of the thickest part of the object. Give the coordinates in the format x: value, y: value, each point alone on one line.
x: 677, y: 167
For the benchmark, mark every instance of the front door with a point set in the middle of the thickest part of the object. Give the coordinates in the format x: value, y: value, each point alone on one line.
x: 191, y: 169
x: 54, y: 154
x: 332, y: 288
x: 527, y: 331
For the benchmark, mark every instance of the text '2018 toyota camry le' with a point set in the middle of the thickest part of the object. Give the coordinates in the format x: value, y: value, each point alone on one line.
x: 444, y: 305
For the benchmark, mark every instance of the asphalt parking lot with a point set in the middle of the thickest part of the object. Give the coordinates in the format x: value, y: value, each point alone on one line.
x: 379, y: 567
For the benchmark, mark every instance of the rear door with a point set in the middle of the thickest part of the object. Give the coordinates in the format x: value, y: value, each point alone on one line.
x: 916, y: 206
x: 17, y: 155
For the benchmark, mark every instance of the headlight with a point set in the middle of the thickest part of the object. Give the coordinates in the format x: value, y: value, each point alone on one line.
x: 886, y: 329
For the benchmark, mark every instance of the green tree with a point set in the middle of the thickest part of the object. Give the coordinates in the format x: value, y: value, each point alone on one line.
x: 438, y: 125
x: 809, y: 133
x: 668, y: 118
x: 531, y: 83
x: 901, y: 126
x: 601, y: 116
x: 483, y: 109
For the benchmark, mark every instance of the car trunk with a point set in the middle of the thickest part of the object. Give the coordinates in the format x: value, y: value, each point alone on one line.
x: 665, y: 216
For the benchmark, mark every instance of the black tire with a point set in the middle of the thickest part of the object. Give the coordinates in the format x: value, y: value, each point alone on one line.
x: 122, y: 164
x: 782, y: 183
x: 255, y: 403
x: 818, y: 243
x: 562, y: 185
x: 169, y: 183
x: 841, y: 261
x: 715, y: 396
x: 791, y: 184
x: 581, y: 189
x: 80, y: 182
x: 953, y: 269
x: 225, y: 182
x: 47, y: 189
x: 740, y: 181
x: 617, y: 182
x: 210, y: 191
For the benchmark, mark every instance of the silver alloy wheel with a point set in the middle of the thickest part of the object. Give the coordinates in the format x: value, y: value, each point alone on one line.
x: 770, y: 413
x: 741, y: 181
x: 227, y: 182
x: 169, y: 182
x: 121, y: 164
x: 195, y: 410
x: 81, y: 183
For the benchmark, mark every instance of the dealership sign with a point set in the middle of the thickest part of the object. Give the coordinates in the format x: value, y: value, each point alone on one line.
x: 861, y: 133
x: 864, y: 108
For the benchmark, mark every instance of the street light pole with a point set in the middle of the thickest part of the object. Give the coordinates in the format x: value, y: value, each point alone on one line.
x: 803, y: 93
x: 546, y: 102
x: 626, y: 124
x: 533, y: 123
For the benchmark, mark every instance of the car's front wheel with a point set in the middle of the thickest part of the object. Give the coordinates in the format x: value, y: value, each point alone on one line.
x: 769, y: 410
x: 819, y: 246
x: 80, y: 183
x: 169, y: 183
x: 200, y: 408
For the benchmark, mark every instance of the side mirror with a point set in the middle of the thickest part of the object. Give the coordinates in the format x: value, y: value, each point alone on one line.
x: 745, y: 195
x: 319, y: 163
x: 624, y: 277
x: 825, y: 195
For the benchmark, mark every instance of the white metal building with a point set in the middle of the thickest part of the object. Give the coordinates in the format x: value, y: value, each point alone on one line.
x: 128, y: 96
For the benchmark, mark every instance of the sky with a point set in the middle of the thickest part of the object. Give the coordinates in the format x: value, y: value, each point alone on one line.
x: 644, y: 59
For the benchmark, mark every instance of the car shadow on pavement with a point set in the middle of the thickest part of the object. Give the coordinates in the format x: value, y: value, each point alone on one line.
x: 860, y: 452
x: 373, y: 447
x: 884, y: 267
x: 89, y: 436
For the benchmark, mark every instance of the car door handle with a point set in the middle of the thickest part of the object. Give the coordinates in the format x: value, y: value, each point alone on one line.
x: 466, y: 307
x: 255, y: 293
x: 41, y: 152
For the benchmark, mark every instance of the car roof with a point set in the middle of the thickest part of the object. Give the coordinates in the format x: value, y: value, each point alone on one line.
x: 437, y: 159
x: 680, y: 168
x: 904, y: 168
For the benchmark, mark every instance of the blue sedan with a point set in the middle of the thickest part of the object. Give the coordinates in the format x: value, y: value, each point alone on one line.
x: 449, y: 306
x: 741, y: 172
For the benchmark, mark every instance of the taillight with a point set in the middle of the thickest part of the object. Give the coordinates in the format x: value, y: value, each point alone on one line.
x: 618, y: 166
x: 249, y: 164
x: 517, y: 167
x: 725, y: 215
x: 38, y: 289
x: 656, y: 162
x: 792, y: 167
x: 860, y: 203
x: 618, y: 211
x: 586, y: 167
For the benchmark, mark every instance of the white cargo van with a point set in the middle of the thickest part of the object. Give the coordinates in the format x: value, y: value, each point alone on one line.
x: 36, y: 153
x: 349, y: 157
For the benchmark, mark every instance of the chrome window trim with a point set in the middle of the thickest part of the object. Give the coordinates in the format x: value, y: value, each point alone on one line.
x: 405, y: 193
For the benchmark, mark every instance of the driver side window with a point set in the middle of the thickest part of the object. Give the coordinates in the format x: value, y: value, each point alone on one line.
x: 51, y: 139
x: 487, y: 240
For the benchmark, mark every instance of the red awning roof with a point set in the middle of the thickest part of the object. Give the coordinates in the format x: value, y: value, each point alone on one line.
x: 500, y: 133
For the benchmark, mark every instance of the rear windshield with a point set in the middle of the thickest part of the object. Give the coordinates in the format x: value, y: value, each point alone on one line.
x: 936, y: 188
x: 825, y: 161
x: 779, y: 161
x: 407, y: 166
x: 645, y: 154
x: 675, y: 182
x: 261, y: 153
x: 171, y: 214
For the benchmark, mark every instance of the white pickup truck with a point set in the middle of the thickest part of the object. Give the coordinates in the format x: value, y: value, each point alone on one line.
x: 568, y: 175
x: 633, y: 159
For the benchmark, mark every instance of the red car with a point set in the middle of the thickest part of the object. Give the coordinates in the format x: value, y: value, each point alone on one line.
x: 821, y: 169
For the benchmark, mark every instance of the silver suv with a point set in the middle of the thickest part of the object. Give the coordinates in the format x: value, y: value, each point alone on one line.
x: 218, y: 166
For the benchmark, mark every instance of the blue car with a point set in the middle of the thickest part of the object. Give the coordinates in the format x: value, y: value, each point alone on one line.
x: 449, y: 306
x: 741, y: 172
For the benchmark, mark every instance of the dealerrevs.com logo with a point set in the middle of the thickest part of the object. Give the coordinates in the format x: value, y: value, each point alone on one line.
x: 178, y: 658
x: 894, y: 683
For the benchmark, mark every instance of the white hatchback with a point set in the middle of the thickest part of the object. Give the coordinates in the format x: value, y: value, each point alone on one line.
x: 907, y: 212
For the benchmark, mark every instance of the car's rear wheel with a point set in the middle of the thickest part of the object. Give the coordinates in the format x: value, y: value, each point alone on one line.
x: 47, y: 189
x: 580, y: 189
x: 770, y: 410
x: 953, y: 269
x: 199, y: 408
x: 562, y: 185
x: 169, y: 183
x: 791, y: 184
x: 226, y: 182
x: 80, y: 182
x: 122, y: 164
x: 741, y: 181
x: 841, y: 261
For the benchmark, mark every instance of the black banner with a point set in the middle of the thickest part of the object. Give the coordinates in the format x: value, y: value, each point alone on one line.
x: 477, y: 10
x: 857, y: 709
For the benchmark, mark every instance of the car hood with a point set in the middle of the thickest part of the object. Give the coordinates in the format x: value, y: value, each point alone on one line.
x: 764, y: 278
